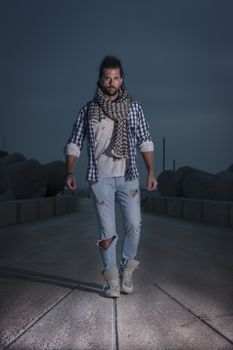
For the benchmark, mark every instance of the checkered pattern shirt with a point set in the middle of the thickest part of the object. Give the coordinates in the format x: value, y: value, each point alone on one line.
x: 138, y: 133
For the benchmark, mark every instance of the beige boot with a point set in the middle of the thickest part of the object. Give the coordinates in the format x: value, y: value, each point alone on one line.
x: 112, y: 283
x: 126, y: 276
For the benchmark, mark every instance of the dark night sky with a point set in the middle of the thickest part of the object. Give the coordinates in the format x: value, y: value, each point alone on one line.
x: 178, y: 60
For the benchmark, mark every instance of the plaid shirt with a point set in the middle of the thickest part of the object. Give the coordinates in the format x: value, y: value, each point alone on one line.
x: 138, y: 132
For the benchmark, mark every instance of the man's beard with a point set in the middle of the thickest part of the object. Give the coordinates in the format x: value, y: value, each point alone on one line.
x: 110, y: 91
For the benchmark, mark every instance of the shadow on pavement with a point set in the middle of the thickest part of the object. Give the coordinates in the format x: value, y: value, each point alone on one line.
x: 33, y: 276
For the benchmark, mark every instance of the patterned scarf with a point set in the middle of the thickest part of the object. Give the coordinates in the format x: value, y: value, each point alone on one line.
x: 117, y: 110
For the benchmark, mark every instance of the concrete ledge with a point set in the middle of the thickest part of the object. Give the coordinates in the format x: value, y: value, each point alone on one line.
x: 231, y: 215
x: 147, y: 204
x: 71, y: 204
x: 160, y: 205
x: 45, y: 207
x: 175, y: 207
x: 27, y: 210
x: 8, y: 213
x: 65, y: 204
x: 59, y: 205
x: 217, y: 213
x: 22, y: 211
x: 155, y: 204
x: 193, y: 210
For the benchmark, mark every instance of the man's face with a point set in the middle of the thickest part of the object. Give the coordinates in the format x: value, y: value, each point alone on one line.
x: 111, y: 82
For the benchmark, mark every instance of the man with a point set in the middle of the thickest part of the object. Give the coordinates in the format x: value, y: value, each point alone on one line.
x: 115, y: 126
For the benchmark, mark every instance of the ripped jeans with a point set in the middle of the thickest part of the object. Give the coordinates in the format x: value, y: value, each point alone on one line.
x: 104, y: 193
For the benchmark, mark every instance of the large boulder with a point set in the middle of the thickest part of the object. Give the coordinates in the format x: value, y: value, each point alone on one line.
x: 223, y: 189
x: 27, y: 179
x: 56, y: 172
x: 3, y: 153
x: 179, y: 177
x: 200, y: 184
x: 166, y: 183
x: 14, y: 158
x: 230, y: 168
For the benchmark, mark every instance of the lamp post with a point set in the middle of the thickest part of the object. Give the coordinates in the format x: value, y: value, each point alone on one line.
x: 174, y: 165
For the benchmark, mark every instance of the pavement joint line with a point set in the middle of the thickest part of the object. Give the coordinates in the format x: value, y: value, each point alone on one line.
x: 193, y: 314
x: 116, y: 324
x: 32, y: 324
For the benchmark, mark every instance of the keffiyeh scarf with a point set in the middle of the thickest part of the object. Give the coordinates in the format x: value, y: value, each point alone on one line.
x: 117, y: 110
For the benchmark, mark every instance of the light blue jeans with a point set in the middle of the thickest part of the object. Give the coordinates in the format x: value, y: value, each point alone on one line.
x: 104, y: 193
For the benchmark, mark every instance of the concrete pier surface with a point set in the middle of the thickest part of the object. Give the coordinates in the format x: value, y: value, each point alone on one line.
x: 51, y: 287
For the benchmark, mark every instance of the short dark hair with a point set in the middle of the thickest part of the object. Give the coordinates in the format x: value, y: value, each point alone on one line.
x: 110, y: 62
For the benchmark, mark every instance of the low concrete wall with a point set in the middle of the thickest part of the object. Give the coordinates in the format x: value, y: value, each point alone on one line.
x: 71, y: 204
x: 59, y: 205
x: 45, y: 207
x: 21, y: 211
x: 157, y: 205
x: 26, y: 210
x: 217, y: 213
x: 175, y: 207
x: 8, y: 213
x: 193, y: 210
x: 231, y: 215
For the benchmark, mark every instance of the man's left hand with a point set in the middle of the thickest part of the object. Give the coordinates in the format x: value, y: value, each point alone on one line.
x: 152, y: 183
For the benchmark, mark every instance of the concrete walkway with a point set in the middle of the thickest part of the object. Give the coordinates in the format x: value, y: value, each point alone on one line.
x: 51, y: 297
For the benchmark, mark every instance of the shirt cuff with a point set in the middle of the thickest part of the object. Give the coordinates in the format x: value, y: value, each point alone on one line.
x: 146, y: 146
x: 72, y: 149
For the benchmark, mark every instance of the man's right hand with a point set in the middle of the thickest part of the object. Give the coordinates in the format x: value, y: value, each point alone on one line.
x: 71, y: 182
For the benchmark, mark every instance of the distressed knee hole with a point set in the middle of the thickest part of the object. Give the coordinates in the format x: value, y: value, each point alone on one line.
x: 105, y: 243
x: 133, y: 193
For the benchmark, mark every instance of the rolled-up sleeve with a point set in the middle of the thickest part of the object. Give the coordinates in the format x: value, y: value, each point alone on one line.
x: 146, y: 146
x: 72, y: 149
x: 75, y: 141
x: 144, y: 139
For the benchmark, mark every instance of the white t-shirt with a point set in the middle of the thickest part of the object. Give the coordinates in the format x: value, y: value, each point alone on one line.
x: 104, y: 140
